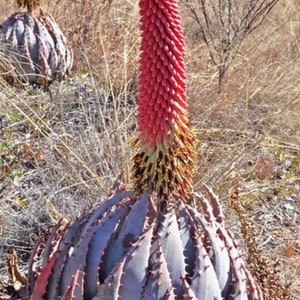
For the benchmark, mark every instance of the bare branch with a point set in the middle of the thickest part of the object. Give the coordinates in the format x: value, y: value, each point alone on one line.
x: 224, y: 24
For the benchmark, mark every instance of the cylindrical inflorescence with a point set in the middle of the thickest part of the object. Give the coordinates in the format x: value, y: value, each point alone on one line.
x: 166, y: 145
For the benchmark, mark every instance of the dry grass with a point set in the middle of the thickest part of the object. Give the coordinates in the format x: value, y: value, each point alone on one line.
x: 61, y: 153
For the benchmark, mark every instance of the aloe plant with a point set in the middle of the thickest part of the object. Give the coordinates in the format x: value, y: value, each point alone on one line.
x: 36, y: 44
x: 159, y: 240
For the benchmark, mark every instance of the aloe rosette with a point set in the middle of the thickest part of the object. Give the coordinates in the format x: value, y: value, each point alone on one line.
x: 159, y: 240
x: 36, y: 45
x: 126, y: 249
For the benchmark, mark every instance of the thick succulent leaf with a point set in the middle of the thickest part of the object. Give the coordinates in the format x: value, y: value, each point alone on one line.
x: 131, y: 230
x: 30, y: 41
x: 110, y: 289
x: 53, y: 239
x: 211, y: 205
x: 18, y: 27
x: 158, y: 283
x: 239, y: 280
x: 44, y: 249
x: 215, y: 246
x: 236, y: 287
x: 74, y: 290
x: 172, y: 247
x: 78, y: 258
x: 220, y: 258
x: 44, y: 34
x: 64, y: 53
x: 52, y: 25
x: 76, y: 262
x: 69, y: 237
x: 135, y: 269
x: 204, y: 282
x: 76, y: 285
x: 188, y: 293
x: 254, y: 291
x: 105, y: 205
x: 96, y: 247
x: 26, y: 62
x: 30, y: 22
x: 12, y: 38
x: 188, y: 234
x: 57, y: 35
x: 7, y: 31
x: 53, y: 58
x: 140, y: 214
x: 43, y: 70
x: 40, y: 287
x: 109, y: 258
x: 43, y: 50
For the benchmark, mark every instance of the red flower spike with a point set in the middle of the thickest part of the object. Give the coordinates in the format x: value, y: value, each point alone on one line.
x: 162, y: 66
x: 164, y: 130
x: 164, y: 163
x: 165, y: 134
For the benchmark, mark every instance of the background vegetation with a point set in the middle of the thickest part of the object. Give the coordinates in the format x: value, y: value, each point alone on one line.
x: 60, y: 151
